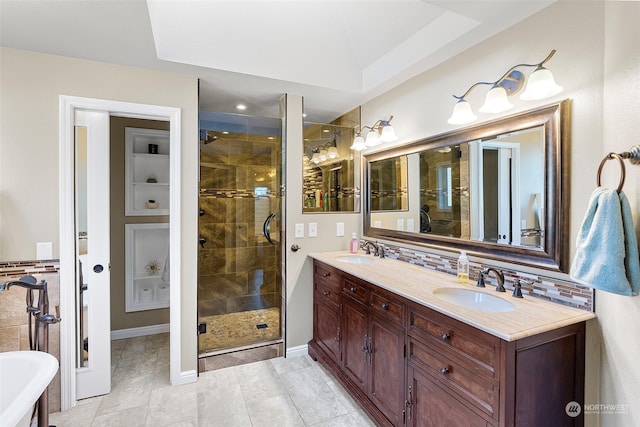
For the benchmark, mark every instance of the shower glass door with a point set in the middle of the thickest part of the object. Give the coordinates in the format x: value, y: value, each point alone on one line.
x: 240, y: 281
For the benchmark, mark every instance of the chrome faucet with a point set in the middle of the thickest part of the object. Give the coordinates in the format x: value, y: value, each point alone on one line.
x: 499, y: 278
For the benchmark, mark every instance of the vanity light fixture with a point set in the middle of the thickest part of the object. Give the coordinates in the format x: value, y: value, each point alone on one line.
x: 380, y: 132
x: 540, y: 85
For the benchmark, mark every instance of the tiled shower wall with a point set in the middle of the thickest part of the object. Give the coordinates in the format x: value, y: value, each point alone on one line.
x: 14, y: 326
x: 237, y: 266
x: 538, y: 286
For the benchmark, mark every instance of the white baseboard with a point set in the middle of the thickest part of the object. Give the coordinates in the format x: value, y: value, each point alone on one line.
x: 139, y: 332
x: 186, y: 377
x: 301, y: 350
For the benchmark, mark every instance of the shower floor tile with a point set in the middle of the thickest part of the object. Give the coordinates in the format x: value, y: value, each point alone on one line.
x: 239, y: 329
x: 294, y: 391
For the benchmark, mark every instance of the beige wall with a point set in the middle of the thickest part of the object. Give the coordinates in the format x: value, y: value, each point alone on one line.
x: 619, y: 316
x: 598, y: 63
x: 299, y: 293
x: 31, y: 84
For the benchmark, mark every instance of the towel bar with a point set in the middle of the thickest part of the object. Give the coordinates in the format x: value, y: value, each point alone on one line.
x: 633, y: 155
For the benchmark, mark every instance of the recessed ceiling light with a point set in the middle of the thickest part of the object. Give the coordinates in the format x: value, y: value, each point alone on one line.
x: 325, y: 130
x: 271, y: 137
x: 225, y: 133
x: 241, y: 107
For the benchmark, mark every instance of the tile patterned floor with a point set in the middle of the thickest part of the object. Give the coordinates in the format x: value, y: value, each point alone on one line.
x: 279, y: 392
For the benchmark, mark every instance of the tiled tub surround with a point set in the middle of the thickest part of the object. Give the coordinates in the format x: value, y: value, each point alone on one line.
x: 14, y: 327
x: 531, y: 316
x: 539, y: 286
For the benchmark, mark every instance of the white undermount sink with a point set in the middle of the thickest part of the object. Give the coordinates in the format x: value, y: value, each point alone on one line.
x: 476, y: 300
x: 355, y: 259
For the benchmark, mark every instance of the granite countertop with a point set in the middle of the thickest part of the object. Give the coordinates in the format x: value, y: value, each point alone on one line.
x: 530, y: 315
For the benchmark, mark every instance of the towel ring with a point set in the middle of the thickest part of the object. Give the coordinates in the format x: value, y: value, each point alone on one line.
x: 622, y: 169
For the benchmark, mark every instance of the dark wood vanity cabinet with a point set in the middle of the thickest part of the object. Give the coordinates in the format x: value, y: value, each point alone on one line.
x: 407, y: 364
x: 327, y: 332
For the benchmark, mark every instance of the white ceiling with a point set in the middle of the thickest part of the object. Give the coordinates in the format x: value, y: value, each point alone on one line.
x: 337, y: 54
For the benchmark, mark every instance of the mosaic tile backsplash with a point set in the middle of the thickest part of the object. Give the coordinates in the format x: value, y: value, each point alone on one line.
x: 538, y: 286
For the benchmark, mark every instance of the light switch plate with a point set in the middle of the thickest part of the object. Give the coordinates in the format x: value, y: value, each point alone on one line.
x: 400, y: 224
x: 313, y: 229
x: 44, y: 250
x: 410, y: 226
x: 299, y: 231
x: 340, y: 229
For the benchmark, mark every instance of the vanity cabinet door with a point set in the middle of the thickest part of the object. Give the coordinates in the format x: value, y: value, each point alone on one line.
x: 356, y: 342
x: 430, y: 405
x: 326, y: 327
x: 387, y: 373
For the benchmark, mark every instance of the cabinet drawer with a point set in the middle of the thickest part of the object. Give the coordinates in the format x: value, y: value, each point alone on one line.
x: 325, y: 273
x: 441, y: 364
x: 355, y: 290
x: 387, y: 307
x: 327, y: 292
x: 477, y: 346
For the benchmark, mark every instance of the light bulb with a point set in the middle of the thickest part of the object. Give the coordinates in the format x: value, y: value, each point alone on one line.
x: 540, y: 85
x: 358, y: 143
x: 462, y: 114
x: 496, y: 101
x: 372, y: 139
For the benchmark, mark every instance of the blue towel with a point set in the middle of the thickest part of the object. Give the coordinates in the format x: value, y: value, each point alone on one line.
x: 607, y: 247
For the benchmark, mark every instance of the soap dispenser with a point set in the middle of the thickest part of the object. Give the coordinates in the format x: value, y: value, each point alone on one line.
x: 463, y: 268
x: 353, y: 245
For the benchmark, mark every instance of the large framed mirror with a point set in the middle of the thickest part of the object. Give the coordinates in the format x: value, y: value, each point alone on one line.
x: 494, y: 190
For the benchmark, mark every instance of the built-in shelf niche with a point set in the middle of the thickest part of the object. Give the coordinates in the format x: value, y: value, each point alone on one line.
x: 146, y: 172
x: 144, y: 289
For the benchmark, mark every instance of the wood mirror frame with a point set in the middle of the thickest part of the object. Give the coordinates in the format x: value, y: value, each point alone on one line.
x: 555, y: 122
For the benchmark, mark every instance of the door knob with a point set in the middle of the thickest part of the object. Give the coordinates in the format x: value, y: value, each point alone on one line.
x: 98, y: 268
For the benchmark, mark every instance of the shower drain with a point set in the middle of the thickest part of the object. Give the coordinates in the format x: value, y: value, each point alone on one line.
x: 262, y: 326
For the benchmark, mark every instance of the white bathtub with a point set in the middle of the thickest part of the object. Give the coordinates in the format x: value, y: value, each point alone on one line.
x: 24, y: 375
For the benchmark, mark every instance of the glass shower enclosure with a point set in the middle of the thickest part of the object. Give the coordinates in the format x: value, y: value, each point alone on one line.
x: 240, y: 292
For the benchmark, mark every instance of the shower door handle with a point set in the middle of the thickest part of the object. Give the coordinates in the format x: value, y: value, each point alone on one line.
x: 266, y: 228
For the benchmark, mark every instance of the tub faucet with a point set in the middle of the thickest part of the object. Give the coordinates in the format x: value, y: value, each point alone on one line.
x: 40, y: 313
x: 499, y: 277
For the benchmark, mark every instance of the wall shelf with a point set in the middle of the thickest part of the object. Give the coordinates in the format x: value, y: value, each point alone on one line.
x: 141, y: 166
x: 145, y: 243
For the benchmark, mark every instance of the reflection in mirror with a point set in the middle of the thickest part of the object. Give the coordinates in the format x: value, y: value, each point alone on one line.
x: 481, y: 190
x: 493, y: 189
x: 82, y: 337
x: 388, y: 184
x: 330, y: 168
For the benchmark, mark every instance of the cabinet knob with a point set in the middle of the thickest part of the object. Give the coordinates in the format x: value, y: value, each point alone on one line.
x: 353, y: 289
x: 326, y: 274
x: 325, y: 293
x: 444, y: 371
x: 385, y: 306
x: 445, y: 336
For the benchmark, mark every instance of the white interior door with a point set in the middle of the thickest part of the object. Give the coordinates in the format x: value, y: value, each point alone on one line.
x: 93, y: 358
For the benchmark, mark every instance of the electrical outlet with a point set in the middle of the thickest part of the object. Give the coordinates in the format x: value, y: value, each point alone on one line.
x: 400, y: 225
x: 299, y: 233
x: 313, y: 229
x: 340, y: 229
